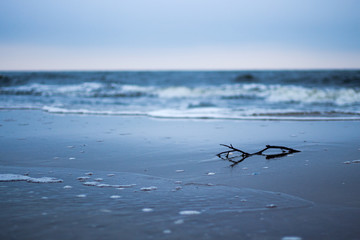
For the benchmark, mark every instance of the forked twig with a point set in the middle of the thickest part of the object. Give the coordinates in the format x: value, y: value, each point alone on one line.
x: 225, y: 155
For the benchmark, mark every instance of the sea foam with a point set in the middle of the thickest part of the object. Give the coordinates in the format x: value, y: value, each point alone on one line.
x: 16, y: 177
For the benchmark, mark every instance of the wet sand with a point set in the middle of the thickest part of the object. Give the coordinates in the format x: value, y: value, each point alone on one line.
x: 319, y: 196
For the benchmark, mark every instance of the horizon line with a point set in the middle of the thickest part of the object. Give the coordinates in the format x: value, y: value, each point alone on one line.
x: 179, y: 70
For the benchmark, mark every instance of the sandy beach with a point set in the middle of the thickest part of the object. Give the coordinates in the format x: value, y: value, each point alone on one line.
x: 163, y: 180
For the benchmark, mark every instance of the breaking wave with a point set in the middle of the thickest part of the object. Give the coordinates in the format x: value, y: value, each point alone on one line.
x: 217, y: 95
x: 268, y: 93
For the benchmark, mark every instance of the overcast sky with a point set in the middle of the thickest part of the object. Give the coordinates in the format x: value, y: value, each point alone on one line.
x: 179, y: 34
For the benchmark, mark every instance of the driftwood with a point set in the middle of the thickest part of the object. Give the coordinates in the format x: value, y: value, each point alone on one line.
x: 243, y: 155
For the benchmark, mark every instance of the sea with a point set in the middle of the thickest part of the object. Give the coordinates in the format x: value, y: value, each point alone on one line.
x: 262, y: 95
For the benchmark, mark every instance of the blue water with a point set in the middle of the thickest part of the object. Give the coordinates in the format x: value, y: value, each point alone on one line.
x: 295, y: 95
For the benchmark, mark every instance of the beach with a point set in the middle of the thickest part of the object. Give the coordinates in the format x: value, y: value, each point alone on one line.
x: 164, y: 180
x: 180, y: 120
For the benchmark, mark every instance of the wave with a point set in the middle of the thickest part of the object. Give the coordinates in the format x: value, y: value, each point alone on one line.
x: 271, y: 93
x: 59, y: 110
x: 218, y: 113
x: 196, y: 101
x: 38, y: 89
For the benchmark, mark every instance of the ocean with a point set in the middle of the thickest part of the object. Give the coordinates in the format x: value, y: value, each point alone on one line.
x: 272, y: 95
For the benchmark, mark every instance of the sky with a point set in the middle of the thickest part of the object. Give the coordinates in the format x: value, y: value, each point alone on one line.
x: 179, y: 34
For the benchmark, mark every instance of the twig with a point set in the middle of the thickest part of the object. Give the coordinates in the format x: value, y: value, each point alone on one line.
x: 290, y: 150
x: 235, y: 149
x: 244, y: 155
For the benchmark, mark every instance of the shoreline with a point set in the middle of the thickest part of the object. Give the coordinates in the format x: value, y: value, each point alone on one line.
x: 80, y: 112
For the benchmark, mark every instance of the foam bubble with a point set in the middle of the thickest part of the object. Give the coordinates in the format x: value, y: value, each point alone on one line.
x: 115, y: 196
x: 147, y: 210
x: 82, y: 179
x: 152, y: 188
x: 189, y: 212
x: 90, y: 183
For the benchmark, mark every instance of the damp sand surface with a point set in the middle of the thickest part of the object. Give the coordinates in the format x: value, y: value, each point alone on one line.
x: 120, y: 178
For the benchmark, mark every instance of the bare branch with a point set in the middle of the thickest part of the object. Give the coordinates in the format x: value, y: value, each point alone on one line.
x: 234, y: 149
x: 244, y: 155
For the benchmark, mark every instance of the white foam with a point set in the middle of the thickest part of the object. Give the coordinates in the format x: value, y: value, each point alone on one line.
x: 12, y: 177
x: 115, y: 196
x: 253, y: 114
x: 16, y: 177
x: 291, y: 238
x: 180, y: 221
x: 50, y: 90
x: 190, y: 113
x: 271, y: 206
x: 90, y: 183
x: 45, y: 180
x: 82, y: 179
x: 62, y: 110
x: 189, y: 212
x: 147, y: 210
x: 127, y: 186
x: 152, y: 188
x: 134, y: 88
x: 271, y: 93
x: 167, y: 231
x: 102, y: 185
x: 179, y: 92
x: 292, y: 93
